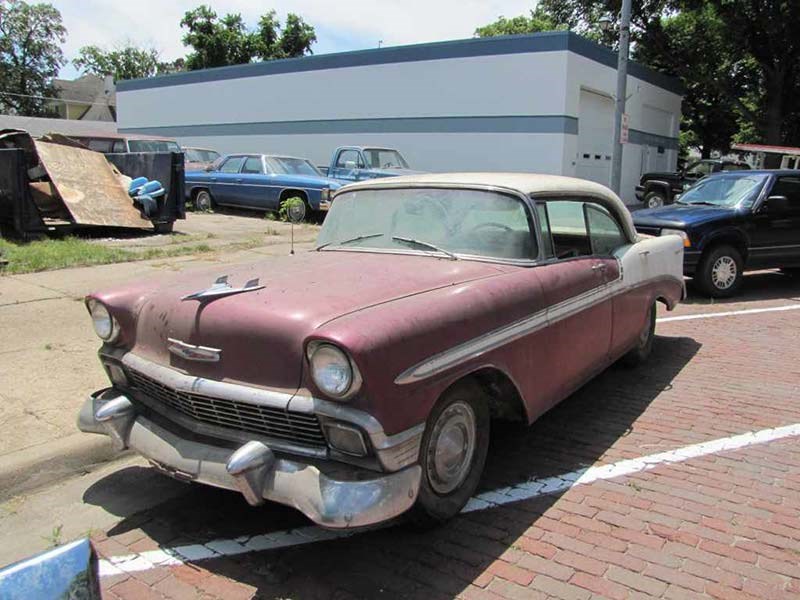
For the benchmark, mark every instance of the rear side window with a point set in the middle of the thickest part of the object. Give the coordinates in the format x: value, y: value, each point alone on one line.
x: 604, y: 232
x: 572, y: 228
x: 789, y: 187
x: 232, y: 165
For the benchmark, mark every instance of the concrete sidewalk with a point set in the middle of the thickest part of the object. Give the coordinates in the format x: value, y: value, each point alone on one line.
x: 49, y: 363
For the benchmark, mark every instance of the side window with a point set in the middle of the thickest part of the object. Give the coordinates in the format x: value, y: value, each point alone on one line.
x: 232, y: 165
x: 568, y: 229
x: 700, y: 168
x: 544, y: 229
x: 252, y: 165
x: 119, y: 146
x: 604, y: 232
x: 789, y: 187
x: 100, y: 145
x: 349, y: 156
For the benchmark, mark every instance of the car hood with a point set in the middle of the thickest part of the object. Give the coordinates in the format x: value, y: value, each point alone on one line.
x: 261, y: 333
x: 677, y: 215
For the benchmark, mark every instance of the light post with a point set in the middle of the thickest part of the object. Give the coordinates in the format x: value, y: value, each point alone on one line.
x: 605, y: 23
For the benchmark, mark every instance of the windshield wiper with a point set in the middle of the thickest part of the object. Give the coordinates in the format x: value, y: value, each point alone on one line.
x: 414, y: 242
x: 702, y: 202
x: 358, y: 238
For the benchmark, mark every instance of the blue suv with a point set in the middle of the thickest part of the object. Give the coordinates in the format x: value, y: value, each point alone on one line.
x: 733, y: 222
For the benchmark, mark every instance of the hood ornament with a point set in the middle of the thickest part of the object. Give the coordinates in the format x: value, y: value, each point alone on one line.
x: 192, y: 352
x: 221, y: 288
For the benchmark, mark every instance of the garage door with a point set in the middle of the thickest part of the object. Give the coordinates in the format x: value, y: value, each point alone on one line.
x: 595, y: 137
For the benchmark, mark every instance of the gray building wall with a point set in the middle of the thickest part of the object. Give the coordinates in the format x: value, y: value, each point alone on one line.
x: 497, y: 104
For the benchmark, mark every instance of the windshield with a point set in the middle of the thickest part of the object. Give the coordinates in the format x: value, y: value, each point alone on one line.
x: 198, y: 155
x: 296, y: 166
x: 724, y: 190
x: 379, y: 158
x: 153, y: 146
x: 432, y: 221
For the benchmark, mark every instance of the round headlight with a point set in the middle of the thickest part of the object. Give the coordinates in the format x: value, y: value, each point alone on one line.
x: 104, y: 324
x: 331, y: 370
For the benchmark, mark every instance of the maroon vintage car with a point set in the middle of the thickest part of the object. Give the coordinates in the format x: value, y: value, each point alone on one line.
x: 357, y: 381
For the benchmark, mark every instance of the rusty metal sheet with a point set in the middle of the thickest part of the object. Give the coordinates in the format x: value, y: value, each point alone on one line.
x: 88, y: 186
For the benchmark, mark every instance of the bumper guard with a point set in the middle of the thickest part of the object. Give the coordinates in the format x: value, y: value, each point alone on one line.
x: 253, y: 469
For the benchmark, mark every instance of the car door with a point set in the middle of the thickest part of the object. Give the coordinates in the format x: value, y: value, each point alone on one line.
x: 348, y: 165
x: 775, y: 232
x: 574, y: 283
x: 223, y: 182
x: 252, y: 190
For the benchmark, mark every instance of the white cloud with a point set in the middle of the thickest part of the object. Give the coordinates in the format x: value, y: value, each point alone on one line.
x: 341, y: 25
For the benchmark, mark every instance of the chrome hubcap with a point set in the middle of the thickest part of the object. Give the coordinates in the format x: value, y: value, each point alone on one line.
x: 723, y: 273
x: 203, y: 202
x: 451, y: 448
x: 655, y: 202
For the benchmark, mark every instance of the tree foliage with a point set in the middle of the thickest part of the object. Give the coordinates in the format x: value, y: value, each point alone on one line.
x: 125, y: 62
x: 739, y: 60
x: 539, y: 20
x: 218, y: 42
x: 30, y: 55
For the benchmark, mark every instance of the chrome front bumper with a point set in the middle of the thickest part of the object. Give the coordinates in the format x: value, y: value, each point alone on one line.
x: 253, y: 469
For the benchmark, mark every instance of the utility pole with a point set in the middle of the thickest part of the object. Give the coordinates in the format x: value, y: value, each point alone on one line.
x: 622, y: 81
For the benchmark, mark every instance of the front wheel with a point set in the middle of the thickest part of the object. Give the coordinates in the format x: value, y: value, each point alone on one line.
x: 720, y: 272
x: 452, y: 454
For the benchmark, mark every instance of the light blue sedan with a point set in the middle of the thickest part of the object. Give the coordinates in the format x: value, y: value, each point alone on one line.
x: 259, y: 181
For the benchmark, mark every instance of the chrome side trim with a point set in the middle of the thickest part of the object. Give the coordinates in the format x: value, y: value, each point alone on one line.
x: 207, y: 387
x: 508, y: 333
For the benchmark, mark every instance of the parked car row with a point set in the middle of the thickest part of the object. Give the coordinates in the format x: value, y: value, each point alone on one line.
x: 263, y: 181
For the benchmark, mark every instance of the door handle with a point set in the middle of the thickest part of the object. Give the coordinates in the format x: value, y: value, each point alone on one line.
x: 239, y: 180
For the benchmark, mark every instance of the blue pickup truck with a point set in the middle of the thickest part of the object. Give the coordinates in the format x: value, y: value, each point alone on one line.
x: 732, y: 222
x: 356, y: 163
x: 259, y: 181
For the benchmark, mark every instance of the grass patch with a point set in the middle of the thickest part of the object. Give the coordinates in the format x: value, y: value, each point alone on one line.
x: 47, y: 255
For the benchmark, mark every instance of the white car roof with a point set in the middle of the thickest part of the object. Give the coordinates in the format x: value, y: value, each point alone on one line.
x: 525, y: 183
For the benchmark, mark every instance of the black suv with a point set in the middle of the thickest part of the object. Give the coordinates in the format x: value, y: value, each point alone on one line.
x: 659, y: 189
x: 732, y: 222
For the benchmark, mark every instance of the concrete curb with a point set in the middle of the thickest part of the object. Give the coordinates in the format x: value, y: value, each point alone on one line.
x: 53, y: 461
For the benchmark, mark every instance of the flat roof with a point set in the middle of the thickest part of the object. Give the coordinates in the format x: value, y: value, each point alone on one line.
x: 767, y: 149
x: 549, y: 41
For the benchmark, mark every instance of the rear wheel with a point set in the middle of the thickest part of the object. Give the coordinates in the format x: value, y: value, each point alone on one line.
x: 720, y: 272
x: 203, y: 201
x: 452, y: 454
x: 644, y: 344
x: 654, y: 200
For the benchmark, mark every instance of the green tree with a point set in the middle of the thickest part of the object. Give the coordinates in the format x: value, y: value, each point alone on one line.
x: 225, y: 41
x: 539, y: 20
x: 767, y: 31
x: 30, y: 55
x: 126, y: 62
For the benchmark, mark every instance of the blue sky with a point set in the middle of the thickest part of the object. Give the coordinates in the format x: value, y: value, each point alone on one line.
x: 341, y: 25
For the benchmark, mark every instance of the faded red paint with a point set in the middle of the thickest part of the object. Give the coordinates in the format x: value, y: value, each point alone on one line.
x: 390, y: 313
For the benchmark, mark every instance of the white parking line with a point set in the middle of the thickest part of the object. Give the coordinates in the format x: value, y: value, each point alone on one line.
x: 730, y: 313
x: 524, y: 491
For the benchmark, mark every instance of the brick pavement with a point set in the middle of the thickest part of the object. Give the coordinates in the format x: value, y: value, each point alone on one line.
x: 725, y: 525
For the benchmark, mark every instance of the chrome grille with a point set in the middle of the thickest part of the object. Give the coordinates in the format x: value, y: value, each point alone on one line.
x: 243, y: 416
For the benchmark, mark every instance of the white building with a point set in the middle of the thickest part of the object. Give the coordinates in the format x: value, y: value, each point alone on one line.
x: 537, y: 103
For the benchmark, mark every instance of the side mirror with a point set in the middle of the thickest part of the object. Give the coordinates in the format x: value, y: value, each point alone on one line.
x: 778, y: 204
x: 349, y: 164
x: 209, y: 168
